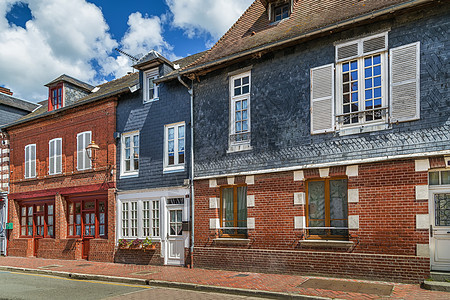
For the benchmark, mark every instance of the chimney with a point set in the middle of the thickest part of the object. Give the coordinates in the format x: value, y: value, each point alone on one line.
x: 5, y: 91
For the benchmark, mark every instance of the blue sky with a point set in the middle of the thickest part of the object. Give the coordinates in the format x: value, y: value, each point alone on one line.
x: 42, y: 39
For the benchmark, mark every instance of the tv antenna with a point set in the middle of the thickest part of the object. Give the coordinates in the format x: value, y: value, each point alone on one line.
x: 133, y: 58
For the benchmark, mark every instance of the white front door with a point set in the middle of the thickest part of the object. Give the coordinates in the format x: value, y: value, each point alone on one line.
x: 440, y: 230
x: 174, y: 238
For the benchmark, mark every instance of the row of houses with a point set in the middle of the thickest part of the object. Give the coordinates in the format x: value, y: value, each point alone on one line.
x: 312, y: 138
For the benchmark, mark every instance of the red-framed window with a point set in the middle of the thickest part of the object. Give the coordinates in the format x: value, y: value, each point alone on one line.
x: 37, y: 220
x: 56, y: 98
x: 87, y: 218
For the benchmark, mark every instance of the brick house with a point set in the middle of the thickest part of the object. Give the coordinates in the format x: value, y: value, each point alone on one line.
x: 62, y: 195
x: 11, y: 109
x: 321, y: 140
x: 153, y: 163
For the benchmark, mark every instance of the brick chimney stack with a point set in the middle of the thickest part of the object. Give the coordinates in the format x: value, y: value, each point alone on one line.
x: 5, y: 91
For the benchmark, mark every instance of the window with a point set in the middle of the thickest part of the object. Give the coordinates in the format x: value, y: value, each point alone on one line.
x: 30, y: 161
x: 233, y: 211
x: 240, y: 109
x: 87, y: 218
x: 439, y: 178
x: 37, y: 220
x: 150, y: 88
x: 56, y: 98
x: 366, y: 89
x: 327, y: 212
x: 281, y: 12
x: 83, y: 140
x: 362, y: 89
x: 130, y: 154
x: 55, y: 156
x: 174, y: 147
x: 140, y: 219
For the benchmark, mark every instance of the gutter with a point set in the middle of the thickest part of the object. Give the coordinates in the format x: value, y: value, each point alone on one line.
x: 340, y: 24
x: 191, y: 171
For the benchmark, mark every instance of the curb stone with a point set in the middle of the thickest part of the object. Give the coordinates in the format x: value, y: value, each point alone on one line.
x: 167, y: 284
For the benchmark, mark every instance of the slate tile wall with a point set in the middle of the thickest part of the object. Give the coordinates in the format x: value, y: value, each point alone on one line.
x: 280, y: 101
x: 150, y: 118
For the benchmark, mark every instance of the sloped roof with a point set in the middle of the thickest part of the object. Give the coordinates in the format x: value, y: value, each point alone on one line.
x: 253, y: 29
x: 186, y: 61
x: 17, y: 103
x: 108, y: 89
x: 151, y: 57
x: 71, y: 80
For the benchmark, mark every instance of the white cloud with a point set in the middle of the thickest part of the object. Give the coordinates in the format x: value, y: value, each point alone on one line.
x: 213, y: 17
x: 70, y: 37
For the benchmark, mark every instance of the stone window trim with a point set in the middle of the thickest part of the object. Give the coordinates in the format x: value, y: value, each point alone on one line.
x: 151, y: 89
x: 240, y: 112
x: 147, y: 219
x: 174, y: 147
x: 129, y: 166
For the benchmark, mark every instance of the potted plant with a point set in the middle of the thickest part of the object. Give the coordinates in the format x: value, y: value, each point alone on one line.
x: 124, y: 244
x: 147, y: 244
x: 136, y: 244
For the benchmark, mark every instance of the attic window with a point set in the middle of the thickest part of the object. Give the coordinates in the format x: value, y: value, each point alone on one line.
x: 56, y: 98
x: 281, y: 12
x: 278, y: 10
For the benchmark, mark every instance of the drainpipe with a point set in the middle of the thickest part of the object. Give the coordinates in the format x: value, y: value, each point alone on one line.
x: 191, y: 171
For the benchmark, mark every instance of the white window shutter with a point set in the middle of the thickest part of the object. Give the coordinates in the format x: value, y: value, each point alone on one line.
x: 58, y: 152
x: 33, y: 161
x: 51, y: 158
x: 87, y: 141
x: 80, y: 152
x: 405, y: 83
x: 322, y: 99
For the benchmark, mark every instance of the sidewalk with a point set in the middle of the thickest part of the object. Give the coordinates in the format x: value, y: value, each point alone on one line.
x: 244, y: 283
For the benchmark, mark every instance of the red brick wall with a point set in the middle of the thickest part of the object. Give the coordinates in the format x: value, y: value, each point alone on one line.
x: 100, y: 118
x: 387, y: 211
x: 139, y: 256
x: 352, y: 265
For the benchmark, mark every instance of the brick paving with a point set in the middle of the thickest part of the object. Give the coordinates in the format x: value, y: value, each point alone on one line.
x: 253, y: 281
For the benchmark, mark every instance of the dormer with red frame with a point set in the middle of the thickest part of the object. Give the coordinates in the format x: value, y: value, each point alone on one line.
x: 65, y: 90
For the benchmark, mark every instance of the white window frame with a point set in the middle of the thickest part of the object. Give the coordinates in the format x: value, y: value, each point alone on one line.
x: 360, y: 56
x: 55, y: 157
x: 83, y: 152
x: 150, y: 75
x: 29, y: 167
x: 233, y: 144
x: 130, y: 226
x: 132, y: 171
x: 176, y: 167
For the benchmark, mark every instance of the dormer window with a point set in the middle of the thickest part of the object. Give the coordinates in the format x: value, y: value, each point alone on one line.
x: 281, y: 12
x: 150, y: 88
x: 56, y: 98
x: 278, y: 10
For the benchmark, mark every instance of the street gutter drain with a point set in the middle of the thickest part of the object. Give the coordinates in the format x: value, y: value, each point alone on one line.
x: 50, y: 267
x: 84, y: 265
x: 239, y: 275
x: 144, y: 273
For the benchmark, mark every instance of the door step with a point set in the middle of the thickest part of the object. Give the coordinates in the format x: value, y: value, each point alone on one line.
x: 439, y: 281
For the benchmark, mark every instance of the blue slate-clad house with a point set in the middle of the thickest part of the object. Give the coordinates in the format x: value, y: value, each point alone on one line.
x: 321, y: 140
x: 153, y: 163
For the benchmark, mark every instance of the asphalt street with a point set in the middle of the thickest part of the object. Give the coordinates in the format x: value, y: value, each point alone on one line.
x: 15, y: 285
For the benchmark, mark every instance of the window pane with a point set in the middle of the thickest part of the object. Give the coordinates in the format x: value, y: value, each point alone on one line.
x: 180, y: 131
x: 245, y: 89
x: 237, y: 82
x: 228, y: 207
x: 338, y: 199
x: 316, y: 200
x: 445, y: 177
x: 245, y: 80
x: 242, y: 208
